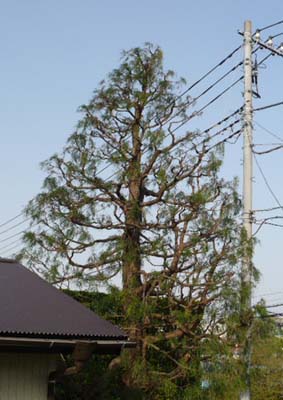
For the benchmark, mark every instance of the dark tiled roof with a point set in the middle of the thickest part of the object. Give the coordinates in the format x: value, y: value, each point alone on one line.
x: 29, y: 306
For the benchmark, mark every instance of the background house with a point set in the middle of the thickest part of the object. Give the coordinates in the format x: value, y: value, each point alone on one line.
x: 38, y: 324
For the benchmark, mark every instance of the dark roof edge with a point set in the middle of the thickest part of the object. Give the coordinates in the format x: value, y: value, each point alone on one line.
x: 9, y: 260
x: 58, y: 336
x: 12, y: 344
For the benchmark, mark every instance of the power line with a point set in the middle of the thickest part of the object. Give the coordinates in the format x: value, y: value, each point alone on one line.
x: 14, y: 226
x: 217, y: 81
x: 268, y: 106
x: 216, y: 97
x: 265, y: 144
x: 272, y: 315
x: 267, y: 183
x: 179, y: 126
x: 220, y: 63
x: 268, y: 294
x: 205, y: 91
x: 17, y: 246
x: 194, y: 113
x: 265, y: 222
x: 225, y: 59
x: 270, y: 150
x: 12, y: 236
x: 270, y: 26
x: 203, y: 141
x: 275, y: 36
x: 266, y: 209
x: 10, y: 244
x: 274, y: 299
x: 218, y: 123
x: 269, y: 131
x: 205, y: 131
x: 223, y: 120
x: 11, y: 219
x: 210, y: 71
x: 198, y: 112
x: 273, y: 224
x: 274, y: 305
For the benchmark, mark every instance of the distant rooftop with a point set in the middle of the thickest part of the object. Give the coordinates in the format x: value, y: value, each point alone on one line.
x: 29, y: 306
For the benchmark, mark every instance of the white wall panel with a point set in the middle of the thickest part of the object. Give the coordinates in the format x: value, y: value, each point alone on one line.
x: 25, y: 376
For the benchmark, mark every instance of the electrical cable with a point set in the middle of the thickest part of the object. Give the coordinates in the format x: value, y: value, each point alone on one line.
x: 265, y: 144
x: 198, y: 112
x: 11, y: 219
x: 195, y: 113
x: 218, y: 123
x: 219, y: 64
x: 12, y: 236
x: 268, y: 131
x: 10, y: 244
x: 205, y: 91
x: 267, y: 209
x: 215, y: 98
x: 267, y: 183
x: 14, y: 226
x: 11, y: 248
x: 215, y: 134
x: 268, y: 294
x: 217, y: 81
x: 268, y: 106
x: 272, y: 315
x: 203, y: 132
x: 270, y: 26
x: 206, y: 131
x: 270, y: 150
x: 225, y: 119
x: 269, y: 223
x: 275, y: 36
x: 230, y: 55
x: 263, y: 223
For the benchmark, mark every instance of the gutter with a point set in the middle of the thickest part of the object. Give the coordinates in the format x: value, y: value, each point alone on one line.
x: 64, y: 345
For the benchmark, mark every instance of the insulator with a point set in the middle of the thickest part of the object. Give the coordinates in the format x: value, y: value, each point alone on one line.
x: 270, y: 41
x: 257, y: 35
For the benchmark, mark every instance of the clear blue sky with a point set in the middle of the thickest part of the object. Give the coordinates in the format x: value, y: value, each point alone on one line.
x: 53, y: 54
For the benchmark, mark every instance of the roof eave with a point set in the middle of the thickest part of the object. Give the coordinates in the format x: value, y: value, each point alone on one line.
x: 42, y: 345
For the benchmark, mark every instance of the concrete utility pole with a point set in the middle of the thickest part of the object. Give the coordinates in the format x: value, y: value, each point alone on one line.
x: 247, y: 191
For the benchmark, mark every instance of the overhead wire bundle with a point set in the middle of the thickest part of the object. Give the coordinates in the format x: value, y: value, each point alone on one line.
x: 16, y: 244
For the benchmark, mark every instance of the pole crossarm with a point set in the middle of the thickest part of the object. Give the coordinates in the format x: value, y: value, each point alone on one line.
x: 265, y: 46
x: 274, y: 51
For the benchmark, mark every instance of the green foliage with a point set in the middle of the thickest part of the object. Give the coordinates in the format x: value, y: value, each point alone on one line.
x: 97, y: 381
x: 160, y: 221
x: 216, y: 378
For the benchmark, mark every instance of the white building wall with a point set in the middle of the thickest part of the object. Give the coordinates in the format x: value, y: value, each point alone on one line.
x: 25, y: 376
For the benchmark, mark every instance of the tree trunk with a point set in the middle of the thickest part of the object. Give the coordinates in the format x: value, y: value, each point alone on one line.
x: 133, y: 216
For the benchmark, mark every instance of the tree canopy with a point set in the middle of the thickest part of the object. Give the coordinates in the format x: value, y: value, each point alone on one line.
x: 135, y: 200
